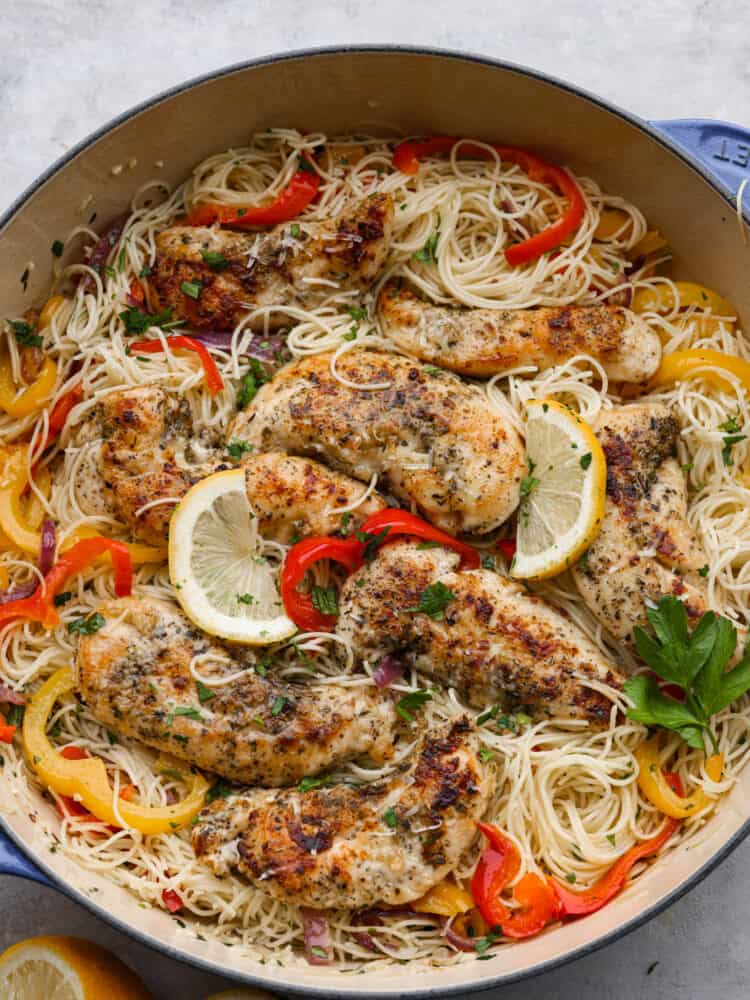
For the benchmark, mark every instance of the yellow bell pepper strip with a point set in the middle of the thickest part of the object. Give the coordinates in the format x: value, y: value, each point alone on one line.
x: 49, y: 309
x: 648, y: 244
x: 680, y: 365
x: 446, y: 899
x: 139, y: 553
x: 657, y: 790
x: 40, y: 606
x: 611, y: 221
x: 662, y: 299
x: 14, y: 477
x: 86, y: 779
x: 33, y: 397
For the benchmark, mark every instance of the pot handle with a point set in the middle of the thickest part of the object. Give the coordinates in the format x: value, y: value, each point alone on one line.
x: 723, y: 149
x: 14, y: 862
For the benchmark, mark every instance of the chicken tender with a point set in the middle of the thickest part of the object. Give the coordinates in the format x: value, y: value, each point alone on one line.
x: 484, y: 342
x: 134, y: 675
x: 150, y: 452
x: 344, y: 847
x: 645, y: 548
x: 432, y: 440
x: 492, y: 641
x: 271, y: 268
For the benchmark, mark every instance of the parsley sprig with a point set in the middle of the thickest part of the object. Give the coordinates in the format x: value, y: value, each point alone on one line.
x: 695, y: 662
x: 433, y: 601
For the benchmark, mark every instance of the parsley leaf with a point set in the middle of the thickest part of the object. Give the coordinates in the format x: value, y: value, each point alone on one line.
x: 189, y: 713
x: 528, y: 485
x: 434, y: 600
x: 216, y: 261
x: 204, y: 692
x: 192, y: 289
x: 308, y: 783
x: 236, y: 449
x: 356, y: 313
x: 62, y: 598
x: 25, y: 335
x: 586, y: 460
x: 695, y: 662
x: 390, y: 818
x: 278, y: 705
x: 87, y: 625
x: 137, y: 321
x: 219, y: 790
x: 428, y: 253
x: 251, y: 382
x: 245, y: 598
x: 371, y: 542
x: 325, y: 600
x: 411, y: 702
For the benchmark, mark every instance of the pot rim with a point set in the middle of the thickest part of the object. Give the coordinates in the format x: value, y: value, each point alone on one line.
x: 326, y: 992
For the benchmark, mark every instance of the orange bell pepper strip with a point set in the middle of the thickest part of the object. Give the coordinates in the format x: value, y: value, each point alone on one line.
x: 407, y: 155
x: 287, y: 205
x: 659, y: 791
x: 214, y: 380
x: 499, y: 864
x: 6, y: 732
x: 85, y: 779
x: 40, y: 607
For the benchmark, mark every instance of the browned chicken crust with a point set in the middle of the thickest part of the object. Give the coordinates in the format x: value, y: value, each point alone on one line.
x: 150, y: 452
x: 134, y: 675
x: 271, y: 268
x: 431, y: 439
x: 484, y: 342
x: 344, y: 847
x: 646, y: 548
x: 493, y: 642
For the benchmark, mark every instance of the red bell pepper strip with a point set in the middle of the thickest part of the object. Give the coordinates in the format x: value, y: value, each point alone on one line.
x: 214, y: 380
x: 402, y: 522
x: 579, y: 904
x: 407, y: 155
x: 40, y: 606
x: 299, y: 606
x: 6, y: 732
x: 507, y: 547
x: 287, y: 205
x: 499, y: 864
x: 172, y: 900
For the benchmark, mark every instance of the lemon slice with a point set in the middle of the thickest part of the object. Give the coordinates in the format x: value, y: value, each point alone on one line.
x: 66, y: 968
x: 216, y: 564
x: 563, y: 496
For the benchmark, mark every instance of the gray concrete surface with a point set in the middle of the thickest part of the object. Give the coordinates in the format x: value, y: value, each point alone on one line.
x: 67, y: 66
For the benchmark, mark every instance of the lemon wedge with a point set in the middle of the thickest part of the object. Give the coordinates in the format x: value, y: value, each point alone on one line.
x: 563, y: 496
x: 66, y: 968
x: 222, y: 579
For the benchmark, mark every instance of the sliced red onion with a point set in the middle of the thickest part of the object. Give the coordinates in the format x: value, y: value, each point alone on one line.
x: 18, y: 593
x: 171, y: 796
x: 456, y: 940
x: 10, y: 697
x: 101, y: 250
x: 365, y: 940
x: 47, y: 548
x: 317, y: 936
x: 262, y: 347
x: 389, y: 669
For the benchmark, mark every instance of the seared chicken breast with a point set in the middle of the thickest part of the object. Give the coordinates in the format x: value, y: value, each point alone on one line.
x: 483, y: 342
x: 134, y: 675
x: 288, y: 265
x: 432, y: 440
x: 645, y: 548
x: 150, y: 452
x: 486, y: 637
x: 343, y: 847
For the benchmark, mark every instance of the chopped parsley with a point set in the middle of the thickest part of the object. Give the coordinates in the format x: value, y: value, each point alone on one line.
x: 57, y: 248
x: 25, y: 335
x: 251, y: 382
x: 411, y: 702
x: 428, y: 545
x: 488, y: 561
x: 345, y: 519
x: 489, y: 713
x: 236, y: 449
x: 485, y: 754
x: 219, y: 790
x: 192, y: 289
x: 325, y: 600
x: 309, y: 783
x: 586, y: 460
x: 357, y: 314
x: 351, y: 335
x: 703, y: 571
x: 294, y: 230
x: 216, y: 261
x: 278, y: 705
x: 611, y: 838
x: 431, y: 370
x: 14, y: 714
x: 245, y: 599
x: 188, y: 713
x: 87, y: 625
x: 63, y: 598
x: 204, y: 692
x: 530, y: 482
x: 433, y: 601
x: 570, y: 877
x: 390, y: 818
x: 428, y: 253
x: 371, y: 542
x: 306, y: 165
x: 137, y: 321
x: 482, y: 944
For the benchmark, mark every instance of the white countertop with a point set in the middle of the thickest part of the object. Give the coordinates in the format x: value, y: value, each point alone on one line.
x: 70, y: 65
